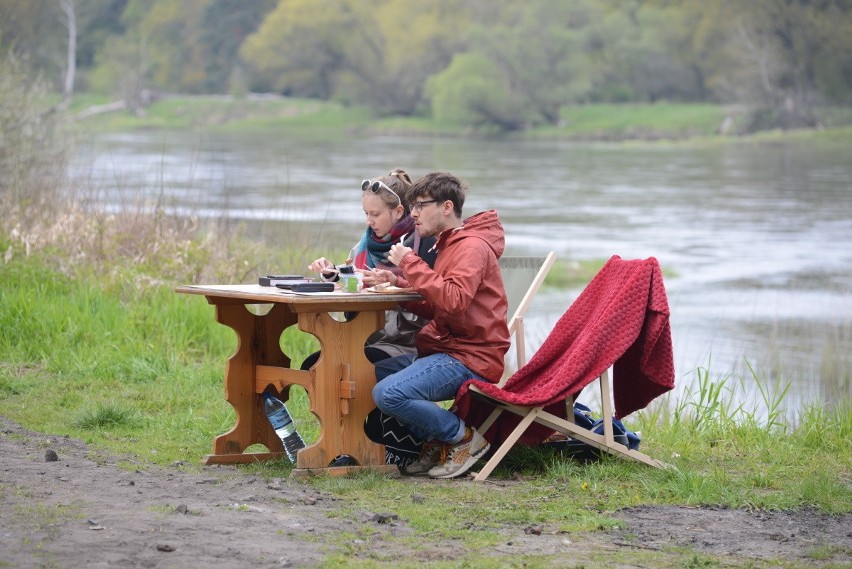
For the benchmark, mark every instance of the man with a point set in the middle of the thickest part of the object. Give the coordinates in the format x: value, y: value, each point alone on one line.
x: 466, y: 338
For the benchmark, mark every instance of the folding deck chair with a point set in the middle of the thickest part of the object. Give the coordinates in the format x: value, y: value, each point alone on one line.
x: 620, y: 320
x: 522, y: 277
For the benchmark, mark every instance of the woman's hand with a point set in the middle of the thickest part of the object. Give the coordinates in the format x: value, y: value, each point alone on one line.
x: 324, y: 267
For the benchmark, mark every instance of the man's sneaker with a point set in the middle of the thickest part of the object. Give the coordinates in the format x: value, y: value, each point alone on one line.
x: 432, y: 454
x: 462, y: 456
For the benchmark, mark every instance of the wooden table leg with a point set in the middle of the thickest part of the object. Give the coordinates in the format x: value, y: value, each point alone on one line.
x: 258, y: 338
x: 343, y: 390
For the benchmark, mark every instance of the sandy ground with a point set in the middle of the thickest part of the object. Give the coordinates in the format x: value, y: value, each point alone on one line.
x: 66, y: 505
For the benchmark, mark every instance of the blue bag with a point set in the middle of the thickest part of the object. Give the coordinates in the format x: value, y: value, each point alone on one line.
x: 580, y: 450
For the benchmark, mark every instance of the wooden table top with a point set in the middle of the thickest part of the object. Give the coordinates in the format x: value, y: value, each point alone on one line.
x: 307, y: 301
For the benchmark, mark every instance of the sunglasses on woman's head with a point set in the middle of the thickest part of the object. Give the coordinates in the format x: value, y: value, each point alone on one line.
x: 376, y: 186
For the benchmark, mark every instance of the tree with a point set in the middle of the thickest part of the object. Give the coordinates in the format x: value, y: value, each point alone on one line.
x: 405, y: 42
x: 299, y: 47
x: 225, y: 25
x: 707, y: 49
x: 781, y: 58
x: 33, y: 153
x: 71, y: 24
x: 374, y: 52
x: 123, y: 70
x: 96, y: 21
x: 29, y: 29
x: 778, y: 57
x: 650, y: 49
x: 537, y: 61
x: 548, y: 55
x: 170, y: 30
x: 832, y: 66
x: 782, y: 52
x: 471, y: 91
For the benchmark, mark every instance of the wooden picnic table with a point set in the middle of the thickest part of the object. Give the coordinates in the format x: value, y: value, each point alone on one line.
x: 339, y: 385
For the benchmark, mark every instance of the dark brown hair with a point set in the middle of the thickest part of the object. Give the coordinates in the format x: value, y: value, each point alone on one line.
x: 440, y: 186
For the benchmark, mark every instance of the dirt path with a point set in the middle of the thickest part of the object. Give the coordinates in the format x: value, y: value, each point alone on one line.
x: 81, y: 508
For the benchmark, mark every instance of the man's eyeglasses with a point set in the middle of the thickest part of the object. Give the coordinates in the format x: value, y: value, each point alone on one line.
x: 418, y: 205
x: 376, y: 186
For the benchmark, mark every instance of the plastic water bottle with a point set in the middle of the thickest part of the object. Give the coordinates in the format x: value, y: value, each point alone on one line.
x: 283, y: 424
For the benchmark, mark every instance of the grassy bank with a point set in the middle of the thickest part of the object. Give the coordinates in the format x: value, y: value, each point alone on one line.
x: 599, y: 122
x: 124, y: 363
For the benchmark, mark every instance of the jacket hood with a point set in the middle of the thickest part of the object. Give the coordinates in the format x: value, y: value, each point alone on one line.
x: 485, y: 225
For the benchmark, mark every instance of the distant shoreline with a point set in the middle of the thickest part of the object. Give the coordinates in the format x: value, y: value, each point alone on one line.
x: 594, y: 123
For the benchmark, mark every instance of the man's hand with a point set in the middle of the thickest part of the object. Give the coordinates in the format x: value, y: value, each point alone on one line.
x: 371, y: 277
x: 397, y: 252
x: 379, y: 276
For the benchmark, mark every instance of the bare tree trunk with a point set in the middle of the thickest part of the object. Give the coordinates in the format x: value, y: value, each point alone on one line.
x: 71, y: 23
x: 761, y: 60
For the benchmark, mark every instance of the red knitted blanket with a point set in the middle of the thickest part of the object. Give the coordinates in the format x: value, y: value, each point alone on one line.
x: 621, y: 319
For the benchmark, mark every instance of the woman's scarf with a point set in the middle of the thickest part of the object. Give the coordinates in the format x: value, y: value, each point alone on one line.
x: 372, y: 252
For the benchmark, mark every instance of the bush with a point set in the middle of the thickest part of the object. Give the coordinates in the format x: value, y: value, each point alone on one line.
x: 33, y: 149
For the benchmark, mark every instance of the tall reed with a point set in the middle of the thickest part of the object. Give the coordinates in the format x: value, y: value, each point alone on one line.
x: 33, y: 142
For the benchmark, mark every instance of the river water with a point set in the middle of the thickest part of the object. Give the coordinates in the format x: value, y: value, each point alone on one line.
x: 755, y: 238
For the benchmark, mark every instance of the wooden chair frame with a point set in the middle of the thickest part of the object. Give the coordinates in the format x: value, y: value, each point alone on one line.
x: 516, y: 320
x: 530, y: 415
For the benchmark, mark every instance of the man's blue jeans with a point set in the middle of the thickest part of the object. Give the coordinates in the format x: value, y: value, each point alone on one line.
x: 407, y: 390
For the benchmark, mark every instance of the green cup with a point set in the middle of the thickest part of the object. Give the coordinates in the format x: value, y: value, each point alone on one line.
x: 351, y: 283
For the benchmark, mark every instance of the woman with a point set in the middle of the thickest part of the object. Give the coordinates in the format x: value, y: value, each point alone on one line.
x: 388, y: 219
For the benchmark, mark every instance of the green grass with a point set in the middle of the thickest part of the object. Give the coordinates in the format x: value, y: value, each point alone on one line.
x: 668, y: 120
x: 143, y: 372
x: 139, y: 370
x: 572, y: 273
x: 308, y: 117
x: 567, y: 273
x: 227, y: 113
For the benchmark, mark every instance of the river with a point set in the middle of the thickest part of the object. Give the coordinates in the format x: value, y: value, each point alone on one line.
x: 755, y: 238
